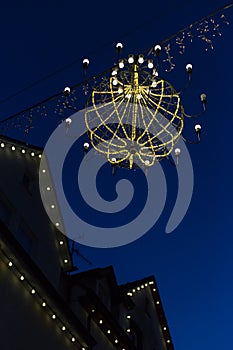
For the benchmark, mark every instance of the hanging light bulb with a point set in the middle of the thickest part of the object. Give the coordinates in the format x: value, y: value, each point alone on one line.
x: 131, y: 59
x: 155, y: 72
x: 189, y: 68
x: 86, y: 145
x: 85, y: 63
x: 177, y: 154
x: 114, y: 71
x: 140, y: 59
x: 198, y: 131
x: 121, y: 63
x: 150, y: 64
x: 119, y: 47
x: 157, y: 49
x: 115, y: 82
x: 68, y: 122
x: 203, y: 100
x: 67, y: 91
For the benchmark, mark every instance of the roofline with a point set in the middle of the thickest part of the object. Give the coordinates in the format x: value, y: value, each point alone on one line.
x: 20, y: 143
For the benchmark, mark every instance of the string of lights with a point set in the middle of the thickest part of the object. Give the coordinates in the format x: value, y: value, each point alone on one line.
x: 41, y: 298
x: 151, y: 284
x: 58, y: 106
x: 24, y: 150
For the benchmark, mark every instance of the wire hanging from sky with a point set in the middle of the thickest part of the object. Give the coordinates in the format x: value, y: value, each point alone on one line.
x: 141, y: 26
x: 97, y: 75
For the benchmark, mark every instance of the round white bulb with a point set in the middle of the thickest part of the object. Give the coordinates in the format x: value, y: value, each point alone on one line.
x: 68, y: 121
x: 203, y: 97
x: 131, y: 59
x: 157, y: 48
x: 13, y: 148
x: 86, y: 145
x: 189, y: 67
x: 177, y: 151
x: 86, y: 61
x: 198, y: 127
x: 140, y: 59
x: 120, y: 90
x: 32, y: 154
x: 114, y: 71
x: 154, y: 83
x: 114, y: 82
x: 113, y: 160
x: 23, y: 151
x: 2, y: 145
x: 119, y: 46
x: 150, y: 64
x: 67, y: 90
x: 121, y: 63
x: 147, y: 162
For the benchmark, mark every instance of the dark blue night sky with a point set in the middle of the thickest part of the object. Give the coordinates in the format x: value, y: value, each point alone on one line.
x: 193, y: 265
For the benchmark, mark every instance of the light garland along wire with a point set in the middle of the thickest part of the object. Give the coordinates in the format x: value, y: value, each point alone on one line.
x: 17, y: 118
x: 32, y: 290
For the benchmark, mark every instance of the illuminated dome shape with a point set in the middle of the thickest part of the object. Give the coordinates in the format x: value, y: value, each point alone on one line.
x: 140, y: 117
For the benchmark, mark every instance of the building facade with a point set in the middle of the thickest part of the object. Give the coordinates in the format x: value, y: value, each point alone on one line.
x: 44, y: 302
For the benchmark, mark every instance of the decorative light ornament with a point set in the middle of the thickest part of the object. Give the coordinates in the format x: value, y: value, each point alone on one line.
x: 140, y: 114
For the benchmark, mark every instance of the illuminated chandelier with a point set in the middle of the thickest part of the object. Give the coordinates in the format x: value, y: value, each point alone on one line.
x: 139, y: 115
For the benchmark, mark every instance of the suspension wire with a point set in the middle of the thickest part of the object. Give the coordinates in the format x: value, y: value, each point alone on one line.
x: 109, y: 69
x: 92, y: 52
x: 193, y: 24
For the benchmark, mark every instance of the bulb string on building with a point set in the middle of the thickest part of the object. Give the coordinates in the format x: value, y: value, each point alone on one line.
x: 42, y: 300
x: 150, y: 284
x: 37, y: 154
